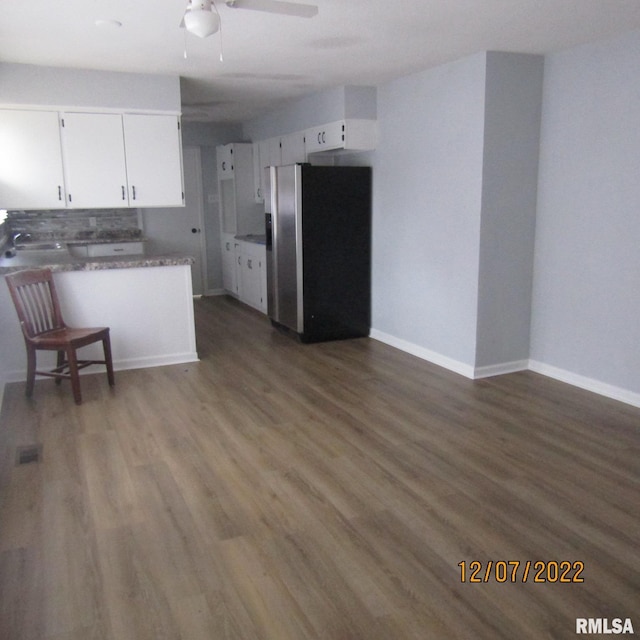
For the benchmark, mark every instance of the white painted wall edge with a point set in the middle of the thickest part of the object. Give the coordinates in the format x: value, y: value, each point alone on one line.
x: 474, y: 373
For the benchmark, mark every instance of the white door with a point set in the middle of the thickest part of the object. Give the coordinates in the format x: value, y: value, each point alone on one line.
x: 181, y: 229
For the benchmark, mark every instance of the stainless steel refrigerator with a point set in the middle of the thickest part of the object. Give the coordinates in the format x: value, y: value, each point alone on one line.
x: 318, y: 228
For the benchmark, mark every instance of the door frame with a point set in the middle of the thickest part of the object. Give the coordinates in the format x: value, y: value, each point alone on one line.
x: 200, y: 213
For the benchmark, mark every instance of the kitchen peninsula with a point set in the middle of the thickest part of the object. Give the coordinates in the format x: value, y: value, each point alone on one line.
x: 146, y: 300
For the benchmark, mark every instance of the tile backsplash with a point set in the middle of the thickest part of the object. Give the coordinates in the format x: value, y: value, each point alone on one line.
x: 77, y: 224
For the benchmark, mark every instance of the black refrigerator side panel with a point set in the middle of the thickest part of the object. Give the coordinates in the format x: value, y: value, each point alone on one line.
x: 336, y: 232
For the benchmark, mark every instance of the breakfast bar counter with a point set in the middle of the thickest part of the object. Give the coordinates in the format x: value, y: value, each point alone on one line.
x: 146, y: 300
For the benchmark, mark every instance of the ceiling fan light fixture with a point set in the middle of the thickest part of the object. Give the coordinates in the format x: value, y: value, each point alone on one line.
x: 200, y: 20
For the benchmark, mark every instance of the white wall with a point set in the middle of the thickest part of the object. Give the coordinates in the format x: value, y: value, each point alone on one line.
x: 25, y: 84
x: 207, y: 136
x: 513, y: 100
x: 586, y: 302
x: 426, y: 210
x: 320, y: 108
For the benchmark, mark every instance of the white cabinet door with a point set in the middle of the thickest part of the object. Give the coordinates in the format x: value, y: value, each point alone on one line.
x: 252, y: 264
x: 355, y: 135
x: 225, y: 161
x: 326, y: 137
x: 258, y: 180
x: 154, y: 160
x: 31, y: 175
x: 94, y: 160
x: 292, y: 146
x: 269, y: 155
x: 229, y: 269
x: 273, y: 153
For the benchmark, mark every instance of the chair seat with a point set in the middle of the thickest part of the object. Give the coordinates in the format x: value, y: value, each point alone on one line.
x: 68, y: 336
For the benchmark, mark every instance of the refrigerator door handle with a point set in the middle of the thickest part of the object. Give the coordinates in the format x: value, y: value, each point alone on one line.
x: 272, y: 271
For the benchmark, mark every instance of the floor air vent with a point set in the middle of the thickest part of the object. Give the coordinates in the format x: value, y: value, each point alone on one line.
x: 28, y: 454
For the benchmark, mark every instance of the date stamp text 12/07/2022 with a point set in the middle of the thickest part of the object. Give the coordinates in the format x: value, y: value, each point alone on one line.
x: 564, y: 571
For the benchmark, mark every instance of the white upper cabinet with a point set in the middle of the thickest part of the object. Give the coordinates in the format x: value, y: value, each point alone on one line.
x: 94, y: 160
x: 354, y: 135
x: 154, y: 160
x: 239, y: 213
x: 31, y: 175
x: 225, y: 161
x: 78, y: 159
x: 266, y: 153
x: 292, y: 147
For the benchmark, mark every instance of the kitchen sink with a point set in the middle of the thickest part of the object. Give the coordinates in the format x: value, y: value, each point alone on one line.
x: 41, y: 246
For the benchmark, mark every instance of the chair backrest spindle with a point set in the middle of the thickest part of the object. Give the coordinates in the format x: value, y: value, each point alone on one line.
x: 34, y: 296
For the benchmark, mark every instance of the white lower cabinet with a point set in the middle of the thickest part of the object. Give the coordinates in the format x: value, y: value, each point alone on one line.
x: 229, y: 270
x: 244, y: 271
x: 253, y: 275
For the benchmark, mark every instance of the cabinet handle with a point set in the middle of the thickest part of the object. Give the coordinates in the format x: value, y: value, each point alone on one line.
x: 249, y: 264
x: 224, y: 166
x: 59, y: 192
x: 240, y: 263
x: 323, y: 138
x: 134, y: 191
x: 123, y: 193
x: 319, y: 137
x: 228, y: 246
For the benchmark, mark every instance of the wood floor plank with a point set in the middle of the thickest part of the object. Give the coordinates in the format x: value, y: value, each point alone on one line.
x: 276, y: 491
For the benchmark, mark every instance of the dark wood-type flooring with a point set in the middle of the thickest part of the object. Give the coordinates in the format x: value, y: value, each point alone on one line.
x: 279, y: 491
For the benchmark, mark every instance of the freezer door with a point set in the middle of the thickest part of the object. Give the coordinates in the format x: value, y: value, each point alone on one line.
x: 286, y: 284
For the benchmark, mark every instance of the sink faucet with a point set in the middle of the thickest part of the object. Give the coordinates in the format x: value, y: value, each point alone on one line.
x: 21, y: 235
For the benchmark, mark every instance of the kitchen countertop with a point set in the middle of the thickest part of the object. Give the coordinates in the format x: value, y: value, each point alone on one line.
x: 255, y: 238
x: 63, y: 261
x: 102, y: 240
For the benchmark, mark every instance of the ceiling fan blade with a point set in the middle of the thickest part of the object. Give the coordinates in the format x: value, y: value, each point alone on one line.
x: 276, y: 6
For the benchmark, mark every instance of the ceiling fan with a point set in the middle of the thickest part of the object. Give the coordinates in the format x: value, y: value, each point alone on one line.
x: 202, y: 18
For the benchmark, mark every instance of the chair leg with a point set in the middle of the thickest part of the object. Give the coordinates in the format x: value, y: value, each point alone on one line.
x: 73, y: 372
x: 31, y: 370
x: 59, y: 363
x: 106, y: 345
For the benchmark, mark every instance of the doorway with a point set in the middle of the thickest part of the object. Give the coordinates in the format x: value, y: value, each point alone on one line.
x: 181, y: 229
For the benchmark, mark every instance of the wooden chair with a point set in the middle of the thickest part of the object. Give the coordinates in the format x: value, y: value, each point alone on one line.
x: 34, y: 295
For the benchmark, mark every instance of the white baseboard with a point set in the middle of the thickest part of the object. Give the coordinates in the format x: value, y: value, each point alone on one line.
x: 590, y: 384
x: 426, y: 354
x: 500, y: 369
x: 118, y: 365
x: 215, y: 292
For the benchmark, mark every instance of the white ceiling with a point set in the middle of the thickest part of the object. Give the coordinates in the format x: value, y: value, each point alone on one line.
x: 270, y: 58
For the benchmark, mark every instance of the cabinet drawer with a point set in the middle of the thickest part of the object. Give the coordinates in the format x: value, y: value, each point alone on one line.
x: 115, y: 249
